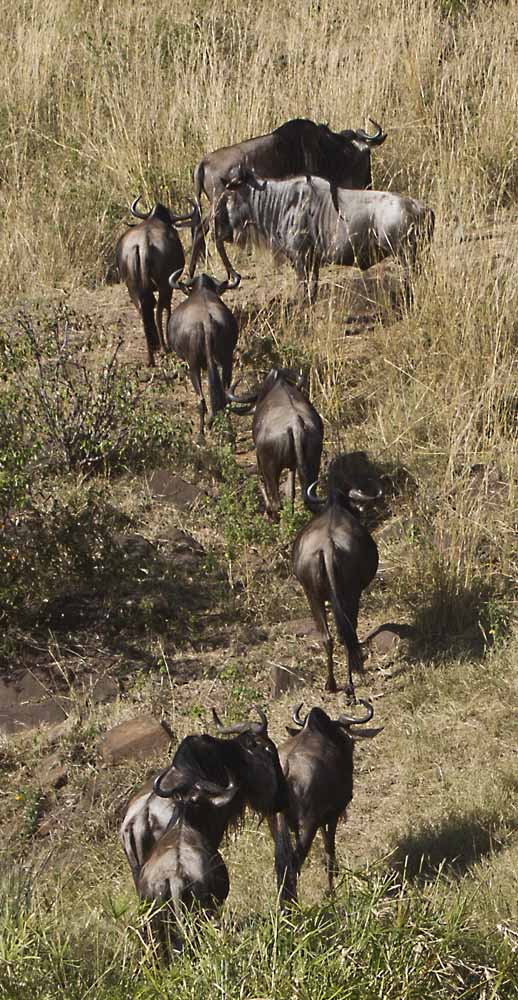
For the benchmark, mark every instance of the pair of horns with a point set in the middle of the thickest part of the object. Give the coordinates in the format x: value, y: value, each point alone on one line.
x: 147, y: 215
x: 289, y: 374
x: 342, y: 720
x: 185, y: 286
x: 357, y: 496
x: 188, y: 784
x: 257, y: 728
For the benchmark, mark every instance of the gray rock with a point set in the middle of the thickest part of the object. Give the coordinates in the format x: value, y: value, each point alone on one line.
x: 134, y: 740
x: 164, y: 485
x: 284, y: 679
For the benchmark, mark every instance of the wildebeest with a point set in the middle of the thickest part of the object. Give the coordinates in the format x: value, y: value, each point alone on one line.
x: 288, y: 434
x: 298, y: 146
x: 300, y: 219
x: 251, y: 761
x: 203, y: 332
x: 146, y: 254
x: 185, y: 868
x: 335, y: 558
x: 318, y: 764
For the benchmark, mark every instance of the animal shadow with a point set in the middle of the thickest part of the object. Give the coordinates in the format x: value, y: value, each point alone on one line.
x: 458, y: 843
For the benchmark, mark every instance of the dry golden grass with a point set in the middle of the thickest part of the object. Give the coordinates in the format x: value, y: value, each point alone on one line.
x: 100, y: 101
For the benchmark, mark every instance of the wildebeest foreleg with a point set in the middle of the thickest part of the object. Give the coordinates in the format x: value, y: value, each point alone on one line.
x: 220, y: 247
x: 198, y: 244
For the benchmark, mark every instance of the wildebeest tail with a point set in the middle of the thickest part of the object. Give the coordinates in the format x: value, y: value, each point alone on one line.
x: 344, y: 626
x: 216, y: 392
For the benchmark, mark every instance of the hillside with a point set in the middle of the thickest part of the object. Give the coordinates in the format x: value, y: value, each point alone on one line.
x: 139, y: 575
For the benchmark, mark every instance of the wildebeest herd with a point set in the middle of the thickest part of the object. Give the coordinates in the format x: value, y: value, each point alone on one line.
x: 305, y: 192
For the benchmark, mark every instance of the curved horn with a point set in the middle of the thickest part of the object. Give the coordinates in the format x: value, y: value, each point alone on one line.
x: 347, y: 720
x: 157, y: 784
x: 229, y: 283
x: 181, y: 286
x: 259, y: 728
x: 311, y: 501
x: 296, y: 716
x: 133, y: 209
x: 362, y: 497
x: 249, y: 397
x: 374, y: 140
x: 220, y: 795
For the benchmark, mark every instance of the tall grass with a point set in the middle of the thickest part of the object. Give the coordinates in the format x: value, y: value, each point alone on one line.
x: 98, y: 102
x: 379, y: 939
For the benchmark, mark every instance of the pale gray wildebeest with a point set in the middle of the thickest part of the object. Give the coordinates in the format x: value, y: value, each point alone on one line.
x: 335, y: 558
x: 318, y: 764
x: 145, y: 256
x: 298, y: 218
x: 299, y: 146
x: 203, y: 332
x: 288, y: 433
x: 185, y: 870
x: 252, y: 762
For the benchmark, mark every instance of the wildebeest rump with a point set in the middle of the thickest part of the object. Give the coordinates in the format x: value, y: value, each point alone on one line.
x: 203, y: 332
x: 299, y: 219
x: 250, y: 759
x: 318, y: 765
x: 299, y: 146
x: 288, y: 434
x: 146, y: 254
x: 335, y: 558
x: 185, y: 868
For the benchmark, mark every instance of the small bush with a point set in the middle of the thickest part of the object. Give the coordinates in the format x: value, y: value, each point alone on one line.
x: 69, y: 404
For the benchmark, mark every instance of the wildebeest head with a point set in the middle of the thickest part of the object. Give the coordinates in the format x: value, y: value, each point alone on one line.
x: 351, y: 482
x: 317, y: 720
x: 262, y: 775
x: 203, y: 282
x: 249, y: 400
x: 161, y: 213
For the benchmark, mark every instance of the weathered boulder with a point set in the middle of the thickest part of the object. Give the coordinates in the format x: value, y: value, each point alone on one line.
x: 284, y: 679
x: 165, y: 485
x: 134, y: 740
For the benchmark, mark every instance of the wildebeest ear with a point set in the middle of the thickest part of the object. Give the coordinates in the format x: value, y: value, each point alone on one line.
x: 291, y: 731
x: 366, y: 733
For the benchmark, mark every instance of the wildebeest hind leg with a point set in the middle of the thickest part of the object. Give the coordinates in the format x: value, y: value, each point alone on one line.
x: 320, y: 618
x: 164, y: 302
x: 328, y: 834
x: 202, y: 406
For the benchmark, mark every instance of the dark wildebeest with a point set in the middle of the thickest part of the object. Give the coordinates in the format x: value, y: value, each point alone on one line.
x: 298, y: 147
x: 185, y: 869
x: 145, y: 256
x: 318, y: 765
x: 288, y: 434
x: 301, y: 220
x: 203, y: 332
x: 335, y: 558
x: 251, y: 761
